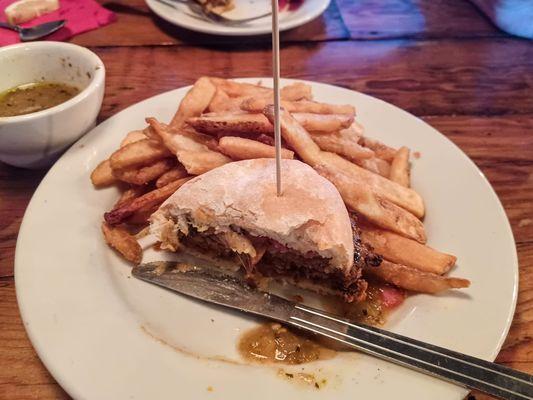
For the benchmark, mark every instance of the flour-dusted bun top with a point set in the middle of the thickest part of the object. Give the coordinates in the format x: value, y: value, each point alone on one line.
x: 310, y: 216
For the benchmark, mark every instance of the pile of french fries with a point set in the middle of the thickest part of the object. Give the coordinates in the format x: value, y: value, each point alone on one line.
x: 219, y: 121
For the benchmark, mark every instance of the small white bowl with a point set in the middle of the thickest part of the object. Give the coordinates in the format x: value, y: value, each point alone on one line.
x: 35, y: 140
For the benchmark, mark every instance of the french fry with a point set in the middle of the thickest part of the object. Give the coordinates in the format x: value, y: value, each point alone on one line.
x: 296, y: 91
x: 195, y: 102
x: 382, y: 150
x: 381, y: 212
x: 145, y: 174
x: 138, y: 153
x: 196, y: 157
x: 257, y: 104
x: 296, y: 136
x: 197, y: 163
x: 293, y: 92
x: 307, y: 106
x: 382, y: 187
x: 209, y: 141
x: 175, y: 139
x: 133, y: 136
x: 401, y: 250
x: 150, y: 134
x: 126, y: 244
x: 353, y: 133
x: 356, y: 129
x: 256, y: 124
x: 157, y: 196
x: 267, y: 139
x: 414, y: 280
x: 226, y: 124
x: 130, y: 194
x: 102, y: 175
x: 323, y: 122
x: 399, y: 171
x: 171, y: 175
x: 238, y: 89
x: 375, y: 165
x: 244, y: 149
x: 221, y: 102
x: 336, y: 143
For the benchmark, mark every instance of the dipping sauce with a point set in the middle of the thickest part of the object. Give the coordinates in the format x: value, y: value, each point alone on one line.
x: 274, y: 343
x: 33, y: 97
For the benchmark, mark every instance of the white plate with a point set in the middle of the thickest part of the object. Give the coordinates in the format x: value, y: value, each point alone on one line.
x: 103, y: 335
x: 181, y: 16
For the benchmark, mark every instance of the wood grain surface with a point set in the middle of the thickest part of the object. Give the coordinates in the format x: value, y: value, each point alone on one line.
x: 440, y: 60
x: 421, y: 77
x: 138, y: 26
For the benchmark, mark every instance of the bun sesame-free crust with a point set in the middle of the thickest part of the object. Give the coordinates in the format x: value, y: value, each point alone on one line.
x: 310, y: 216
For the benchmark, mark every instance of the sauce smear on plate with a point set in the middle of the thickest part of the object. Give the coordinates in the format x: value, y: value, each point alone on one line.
x: 275, y: 343
x: 33, y: 97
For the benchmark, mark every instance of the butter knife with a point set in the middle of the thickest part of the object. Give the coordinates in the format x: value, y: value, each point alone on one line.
x: 215, y: 286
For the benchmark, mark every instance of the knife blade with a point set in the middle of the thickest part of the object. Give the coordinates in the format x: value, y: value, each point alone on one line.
x: 214, y: 285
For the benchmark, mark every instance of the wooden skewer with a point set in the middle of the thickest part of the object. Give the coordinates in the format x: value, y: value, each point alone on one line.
x: 276, y: 77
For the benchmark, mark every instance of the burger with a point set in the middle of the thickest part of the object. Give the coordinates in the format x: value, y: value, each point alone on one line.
x: 233, y: 217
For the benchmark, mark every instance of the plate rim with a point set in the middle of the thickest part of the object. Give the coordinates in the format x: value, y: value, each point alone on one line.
x: 211, y: 29
x: 18, y: 268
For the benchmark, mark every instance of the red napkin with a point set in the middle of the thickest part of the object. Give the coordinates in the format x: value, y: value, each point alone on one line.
x: 81, y: 16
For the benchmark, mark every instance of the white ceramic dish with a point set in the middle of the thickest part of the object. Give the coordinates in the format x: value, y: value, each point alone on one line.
x: 309, y: 10
x: 105, y: 335
x: 35, y: 140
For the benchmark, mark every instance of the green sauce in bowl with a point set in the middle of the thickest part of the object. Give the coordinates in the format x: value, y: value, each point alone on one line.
x: 33, y: 97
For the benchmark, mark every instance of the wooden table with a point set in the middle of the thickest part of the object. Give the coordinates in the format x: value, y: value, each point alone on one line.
x: 440, y: 60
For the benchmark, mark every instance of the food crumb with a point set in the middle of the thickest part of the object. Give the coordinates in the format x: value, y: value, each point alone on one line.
x: 183, y: 267
x: 210, y: 388
x: 416, y: 155
x: 303, y: 378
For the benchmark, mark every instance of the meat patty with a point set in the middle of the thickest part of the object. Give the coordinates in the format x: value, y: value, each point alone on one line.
x: 280, y: 262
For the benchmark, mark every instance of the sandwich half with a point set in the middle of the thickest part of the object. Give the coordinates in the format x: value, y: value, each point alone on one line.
x: 233, y: 217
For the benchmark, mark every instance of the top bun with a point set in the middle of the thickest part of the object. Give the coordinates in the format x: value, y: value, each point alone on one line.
x: 309, y: 216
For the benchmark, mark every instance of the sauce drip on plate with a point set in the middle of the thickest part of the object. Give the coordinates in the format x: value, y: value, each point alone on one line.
x: 274, y: 343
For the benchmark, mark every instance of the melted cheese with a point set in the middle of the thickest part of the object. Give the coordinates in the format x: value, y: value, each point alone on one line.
x: 239, y: 243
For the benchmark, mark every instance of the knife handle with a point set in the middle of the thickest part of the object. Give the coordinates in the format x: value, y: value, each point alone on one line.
x: 461, y: 369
